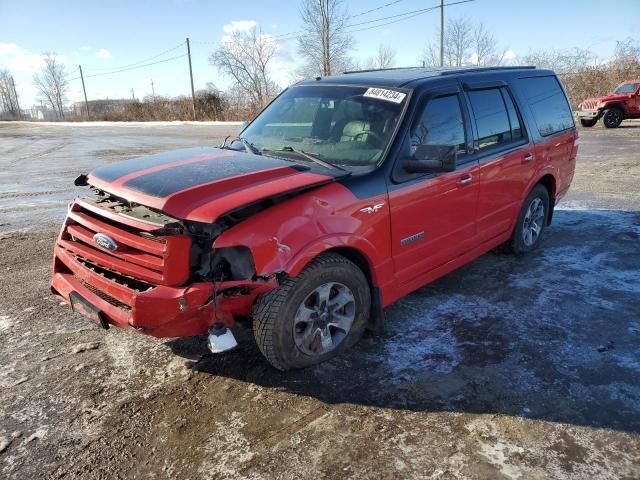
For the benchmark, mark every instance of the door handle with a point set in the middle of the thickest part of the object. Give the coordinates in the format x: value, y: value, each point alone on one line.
x: 528, y: 157
x: 466, y: 180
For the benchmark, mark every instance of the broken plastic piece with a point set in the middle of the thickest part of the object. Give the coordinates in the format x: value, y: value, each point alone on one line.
x: 221, y: 339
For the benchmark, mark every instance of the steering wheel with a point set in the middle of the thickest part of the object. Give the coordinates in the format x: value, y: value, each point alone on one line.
x: 371, y: 135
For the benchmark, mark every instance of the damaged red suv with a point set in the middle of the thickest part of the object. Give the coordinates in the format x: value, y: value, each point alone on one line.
x: 345, y: 194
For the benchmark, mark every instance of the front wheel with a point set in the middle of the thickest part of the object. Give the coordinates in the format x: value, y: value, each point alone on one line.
x: 313, y: 316
x: 531, y: 222
x: 612, y: 117
x: 588, y: 122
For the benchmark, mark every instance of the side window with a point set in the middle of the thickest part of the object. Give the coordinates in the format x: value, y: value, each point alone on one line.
x: 441, y: 123
x: 492, y: 119
x: 548, y: 104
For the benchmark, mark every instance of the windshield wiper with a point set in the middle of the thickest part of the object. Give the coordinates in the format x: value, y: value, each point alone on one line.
x: 306, y: 155
x: 248, y: 146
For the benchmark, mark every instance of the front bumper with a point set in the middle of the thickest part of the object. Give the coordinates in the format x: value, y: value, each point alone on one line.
x: 160, y: 311
x: 589, y: 114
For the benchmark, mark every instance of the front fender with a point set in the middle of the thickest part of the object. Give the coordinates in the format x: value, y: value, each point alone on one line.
x: 285, y: 237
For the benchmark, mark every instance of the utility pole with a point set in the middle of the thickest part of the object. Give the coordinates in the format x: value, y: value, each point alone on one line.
x: 133, y: 95
x: 441, y: 33
x: 193, y: 93
x: 153, y: 91
x: 86, y: 102
x: 15, y: 96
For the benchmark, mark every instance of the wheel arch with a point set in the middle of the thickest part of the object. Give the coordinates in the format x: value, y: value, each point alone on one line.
x: 618, y: 105
x: 549, y: 182
x: 363, y: 262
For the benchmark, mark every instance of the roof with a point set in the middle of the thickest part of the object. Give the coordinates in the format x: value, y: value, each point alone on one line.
x: 399, y: 77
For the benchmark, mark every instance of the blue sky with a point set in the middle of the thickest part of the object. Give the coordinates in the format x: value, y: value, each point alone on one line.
x: 104, y: 34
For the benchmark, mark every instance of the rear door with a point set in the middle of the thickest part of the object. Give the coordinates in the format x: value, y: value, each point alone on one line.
x: 553, y: 120
x: 505, y: 156
x: 433, y: 216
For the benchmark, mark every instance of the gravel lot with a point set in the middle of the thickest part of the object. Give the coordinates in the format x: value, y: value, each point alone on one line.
x: 512, y: 367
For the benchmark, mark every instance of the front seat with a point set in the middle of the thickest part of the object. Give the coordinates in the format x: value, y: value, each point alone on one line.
x: 355, y: 130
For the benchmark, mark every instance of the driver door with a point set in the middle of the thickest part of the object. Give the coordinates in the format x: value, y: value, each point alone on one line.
x: 433, y: 216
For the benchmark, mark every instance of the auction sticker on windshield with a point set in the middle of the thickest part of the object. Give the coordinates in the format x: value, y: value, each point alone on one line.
x: 384, y: 94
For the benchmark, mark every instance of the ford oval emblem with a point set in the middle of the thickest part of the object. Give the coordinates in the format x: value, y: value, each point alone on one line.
x: 105, y: 242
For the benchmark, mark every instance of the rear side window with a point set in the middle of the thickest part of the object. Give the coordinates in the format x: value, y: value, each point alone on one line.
x: 496, y: 117
x: 441, y: 123
x: 548, y: 104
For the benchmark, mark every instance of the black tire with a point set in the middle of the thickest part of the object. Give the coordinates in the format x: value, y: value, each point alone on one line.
x: 588, y: 122
x: 274, y: 311
x: 612, y: 117
x: 518, y: 243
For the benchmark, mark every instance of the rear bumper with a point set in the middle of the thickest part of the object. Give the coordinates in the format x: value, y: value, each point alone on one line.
x: 160, y: 311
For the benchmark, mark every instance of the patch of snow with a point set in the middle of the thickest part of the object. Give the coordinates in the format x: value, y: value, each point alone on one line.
x: 5, y: 323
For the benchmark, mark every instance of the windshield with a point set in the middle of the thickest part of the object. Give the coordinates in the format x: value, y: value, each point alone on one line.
x: 348, y: 126
x: 627, y: 88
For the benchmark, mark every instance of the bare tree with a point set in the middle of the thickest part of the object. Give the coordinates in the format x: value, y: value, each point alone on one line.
x: 8, y: 95
x: 325, y: 45
x: 246, y: 56
x: 464, y: 43
x: 485, y: 47
x: 458, y: 38
x: 52, y: 83
x: 385, y: 58
x: 561, y: 61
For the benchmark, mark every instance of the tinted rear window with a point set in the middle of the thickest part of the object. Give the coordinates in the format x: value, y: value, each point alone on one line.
x: 548, y: 104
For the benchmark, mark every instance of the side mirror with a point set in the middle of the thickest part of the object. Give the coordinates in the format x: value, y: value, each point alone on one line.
x: 432, y: 158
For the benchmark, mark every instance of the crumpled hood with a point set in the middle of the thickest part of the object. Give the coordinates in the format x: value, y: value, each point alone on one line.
x: 200, y: 184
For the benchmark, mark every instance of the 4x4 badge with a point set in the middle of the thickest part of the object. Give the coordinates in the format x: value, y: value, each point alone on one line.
x: 372, y: 209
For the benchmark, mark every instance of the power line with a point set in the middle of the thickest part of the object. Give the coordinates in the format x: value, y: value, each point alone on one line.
x: 405, y: 16
x: 139, y: 61
x: 359, y: 14
x: 377, y: 8
x: 137, y: 67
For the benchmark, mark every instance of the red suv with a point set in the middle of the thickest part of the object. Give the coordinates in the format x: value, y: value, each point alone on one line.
x: 345, y: 194
x: 623, y: 103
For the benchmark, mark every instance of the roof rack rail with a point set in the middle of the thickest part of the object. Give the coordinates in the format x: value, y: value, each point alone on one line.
x: 380, y: 70
x: 445, y: 70
x: 454, y: 70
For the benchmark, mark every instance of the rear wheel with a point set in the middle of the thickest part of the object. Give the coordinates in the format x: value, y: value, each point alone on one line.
x: 612, y: 117
x: 531, y: 222
x: 588, y: 122
x: 313, y: 316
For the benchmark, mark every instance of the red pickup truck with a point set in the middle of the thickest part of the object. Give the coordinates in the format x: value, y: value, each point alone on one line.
x: 622, y: 103
x: 345, y: 194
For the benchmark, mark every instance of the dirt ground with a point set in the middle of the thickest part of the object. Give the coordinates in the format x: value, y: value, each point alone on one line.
x: 512, y: 367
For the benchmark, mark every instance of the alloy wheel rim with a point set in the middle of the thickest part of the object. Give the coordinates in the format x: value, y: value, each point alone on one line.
x: 533, y: 222
x: 324, y: 318
x: 613, y: 118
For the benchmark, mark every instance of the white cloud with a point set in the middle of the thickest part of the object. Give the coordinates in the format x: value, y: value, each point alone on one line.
x: 239, y: 26
x: 17, y: 59
x: 103, y: 53
x: 8, y: 49
x: 509, y: 54
x: 85, y: 48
